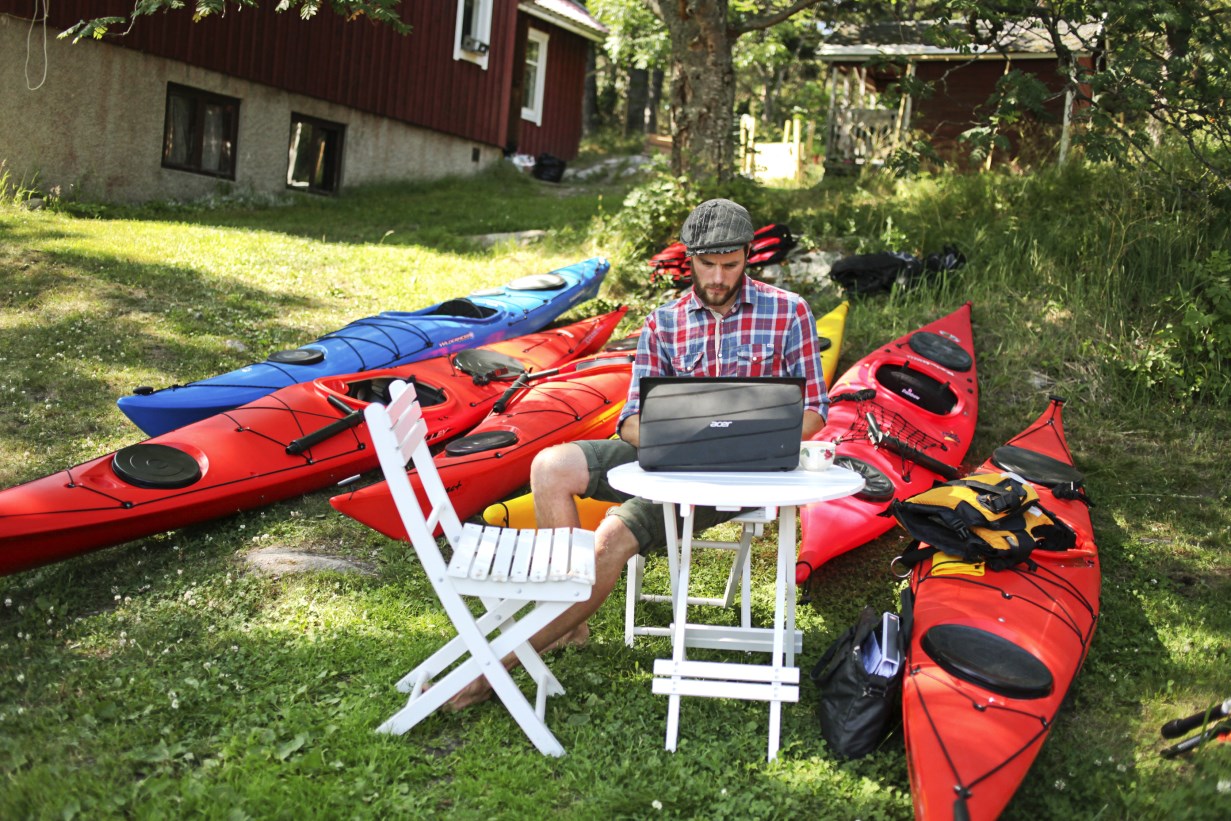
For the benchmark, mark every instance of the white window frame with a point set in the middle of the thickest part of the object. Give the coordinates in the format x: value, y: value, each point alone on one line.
x: 480, y: 33
x: 534, y: 113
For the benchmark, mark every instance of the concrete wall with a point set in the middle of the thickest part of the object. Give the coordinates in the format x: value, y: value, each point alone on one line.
x: 94, y: 127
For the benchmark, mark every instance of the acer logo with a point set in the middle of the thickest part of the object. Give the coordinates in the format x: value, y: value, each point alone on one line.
x: 720, y: 423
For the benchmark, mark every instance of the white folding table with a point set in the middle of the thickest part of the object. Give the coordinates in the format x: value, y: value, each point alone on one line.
x: 678, y: 493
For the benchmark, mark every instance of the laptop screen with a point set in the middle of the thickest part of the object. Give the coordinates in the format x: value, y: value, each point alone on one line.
x: 720, y: 423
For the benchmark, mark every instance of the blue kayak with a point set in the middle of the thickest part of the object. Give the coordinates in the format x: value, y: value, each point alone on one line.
x: 387, y: 340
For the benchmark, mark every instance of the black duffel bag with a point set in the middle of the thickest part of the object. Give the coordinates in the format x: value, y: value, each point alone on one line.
x: 548, y: 167
x: 856, y: 706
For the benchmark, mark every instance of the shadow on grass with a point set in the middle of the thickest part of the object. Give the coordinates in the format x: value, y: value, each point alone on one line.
x: 444, y: 216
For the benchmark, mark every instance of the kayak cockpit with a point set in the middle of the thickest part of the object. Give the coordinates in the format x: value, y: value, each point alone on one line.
x: 462, y: 308
x: 918, y: 388
x: 376, y: 389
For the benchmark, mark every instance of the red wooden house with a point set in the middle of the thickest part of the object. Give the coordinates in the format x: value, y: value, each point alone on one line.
x: 869, y: 117
x: 259, y: 101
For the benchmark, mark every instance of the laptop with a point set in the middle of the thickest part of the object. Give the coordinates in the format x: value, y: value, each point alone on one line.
x: 705, y: 423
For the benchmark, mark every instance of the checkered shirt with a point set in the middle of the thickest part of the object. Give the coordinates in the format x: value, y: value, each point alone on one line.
x: 767, y: 332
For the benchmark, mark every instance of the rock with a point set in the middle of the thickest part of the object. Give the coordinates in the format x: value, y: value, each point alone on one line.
x: 280, y: 561
x: 516, y: 237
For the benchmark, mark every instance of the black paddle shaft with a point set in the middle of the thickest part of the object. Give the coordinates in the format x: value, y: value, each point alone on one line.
x: 352, y: 419
x: 1177, y: 727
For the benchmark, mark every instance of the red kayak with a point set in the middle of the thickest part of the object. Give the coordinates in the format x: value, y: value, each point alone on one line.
x: 297, y: 439
x: 903, y: 416
x: 493, y: 460
x: 993, y: 653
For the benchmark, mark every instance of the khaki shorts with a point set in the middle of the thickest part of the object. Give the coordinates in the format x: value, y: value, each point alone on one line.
x: 643, y: 517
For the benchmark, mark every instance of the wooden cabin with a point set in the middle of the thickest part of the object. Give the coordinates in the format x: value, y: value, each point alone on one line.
x: 870, y: 116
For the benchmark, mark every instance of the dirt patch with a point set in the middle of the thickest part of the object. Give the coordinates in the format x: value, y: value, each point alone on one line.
x: 281, y: 561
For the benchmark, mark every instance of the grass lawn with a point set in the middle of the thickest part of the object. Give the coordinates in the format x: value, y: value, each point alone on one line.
x: 165, y: 677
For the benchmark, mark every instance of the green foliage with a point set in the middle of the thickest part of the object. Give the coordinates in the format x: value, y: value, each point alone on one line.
x: 1188, y: 356
x: 384, y: 12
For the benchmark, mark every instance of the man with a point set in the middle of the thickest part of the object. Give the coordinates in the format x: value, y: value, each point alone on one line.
x: 727, y: 325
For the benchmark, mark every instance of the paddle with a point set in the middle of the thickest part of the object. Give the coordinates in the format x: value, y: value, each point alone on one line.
x: 1177, y: 727
x: 896, y: 445
x: 524, y: 377
x: 1210, y: 733
x: 520, y: 382
x: 353, y: 417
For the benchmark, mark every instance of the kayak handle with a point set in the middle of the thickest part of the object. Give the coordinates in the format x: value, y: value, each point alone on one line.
x: 352, y: 419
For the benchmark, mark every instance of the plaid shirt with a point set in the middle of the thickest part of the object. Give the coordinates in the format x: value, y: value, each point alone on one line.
x: 767, y: 332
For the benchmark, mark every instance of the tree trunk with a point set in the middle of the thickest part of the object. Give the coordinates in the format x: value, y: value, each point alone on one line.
x: 654, y: 102
x: 638, y: 93
x: 702, y: 88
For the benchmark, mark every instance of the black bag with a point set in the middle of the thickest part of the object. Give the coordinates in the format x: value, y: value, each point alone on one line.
x: 878, y: 273
x: 856, y: 706
x: 548, y: 167
x: 875, y: 273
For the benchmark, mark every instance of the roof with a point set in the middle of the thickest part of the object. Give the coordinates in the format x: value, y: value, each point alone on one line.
x: 917, y: 39
x: 567, y: 15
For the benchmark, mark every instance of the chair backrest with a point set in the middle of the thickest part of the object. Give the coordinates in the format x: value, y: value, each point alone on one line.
x: 399, y: 434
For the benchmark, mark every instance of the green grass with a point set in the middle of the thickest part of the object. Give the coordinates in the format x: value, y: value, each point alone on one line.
x: 165, y: 678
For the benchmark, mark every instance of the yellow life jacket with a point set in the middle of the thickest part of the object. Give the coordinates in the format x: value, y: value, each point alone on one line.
x: 994, y: 518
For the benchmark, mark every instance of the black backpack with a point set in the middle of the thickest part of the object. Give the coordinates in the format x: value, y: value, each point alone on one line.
x: 878, y: 273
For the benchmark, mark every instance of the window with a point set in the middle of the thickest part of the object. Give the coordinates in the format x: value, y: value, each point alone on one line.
x: 536, y: 77
x: 474, y: 30
x: 200, y: 132
x: 314, y: 162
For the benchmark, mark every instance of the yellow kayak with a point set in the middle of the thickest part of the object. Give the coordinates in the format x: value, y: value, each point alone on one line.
x: 519, y: 512
x: 830, y: 329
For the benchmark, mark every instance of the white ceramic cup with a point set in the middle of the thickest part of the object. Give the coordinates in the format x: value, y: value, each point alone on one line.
x: 817, y: 455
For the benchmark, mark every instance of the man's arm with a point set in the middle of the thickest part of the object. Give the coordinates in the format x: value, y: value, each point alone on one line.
x: 813, y: 422
x: 630, y: 430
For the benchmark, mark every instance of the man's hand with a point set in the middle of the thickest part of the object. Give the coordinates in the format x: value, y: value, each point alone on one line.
x: 813, y: 422
x: 630, y: 431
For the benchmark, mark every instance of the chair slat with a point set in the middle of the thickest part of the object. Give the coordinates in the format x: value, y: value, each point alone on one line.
x: 583, y: 558
x: 482, y: 566
x: 542, y: 560
x: 505, y: 549
x: 526, y: 540
x: 526, y: 551
x: 463, y: 554
x: 560, y: 550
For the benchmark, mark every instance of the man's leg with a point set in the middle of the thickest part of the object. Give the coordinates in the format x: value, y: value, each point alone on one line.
x: 556, y: 476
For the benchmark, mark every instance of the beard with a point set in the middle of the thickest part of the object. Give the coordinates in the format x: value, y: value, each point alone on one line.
x: 715, y: 296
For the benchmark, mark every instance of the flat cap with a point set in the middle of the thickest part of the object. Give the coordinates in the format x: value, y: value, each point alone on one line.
x: 716, y: 227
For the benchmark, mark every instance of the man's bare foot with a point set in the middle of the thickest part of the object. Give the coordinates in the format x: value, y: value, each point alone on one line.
x: 473, y: 693
x: 577, y: 637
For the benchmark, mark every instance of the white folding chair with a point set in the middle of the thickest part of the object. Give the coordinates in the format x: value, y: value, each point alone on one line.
x: 752, y: 525
x: 541, y: 572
